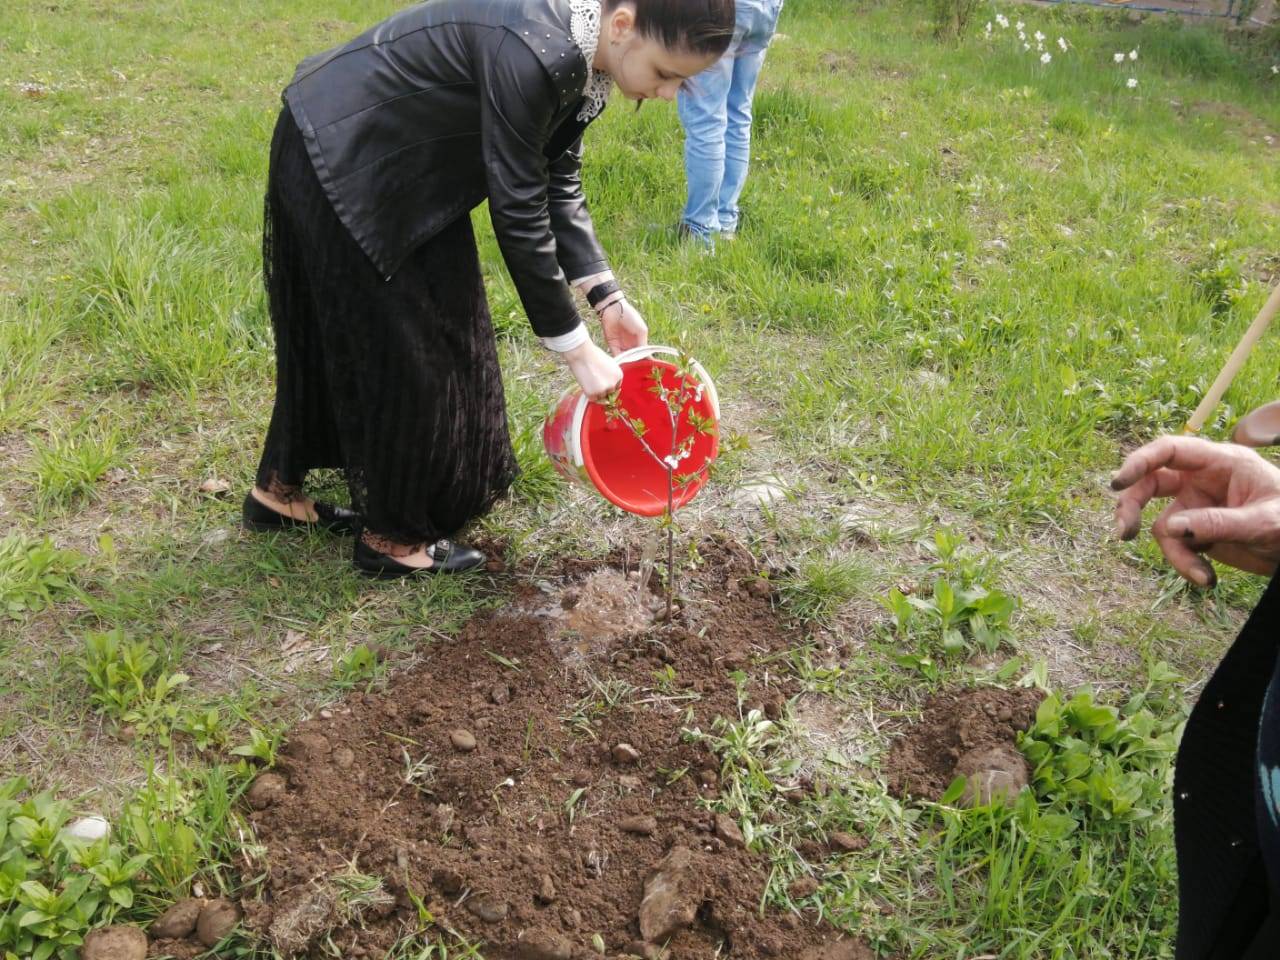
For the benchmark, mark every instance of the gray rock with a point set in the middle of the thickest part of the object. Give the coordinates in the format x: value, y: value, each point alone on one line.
x: 487, y: 908
x: 671, y: 897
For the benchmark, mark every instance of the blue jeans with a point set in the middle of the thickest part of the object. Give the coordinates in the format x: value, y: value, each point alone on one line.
x: 716, y: 115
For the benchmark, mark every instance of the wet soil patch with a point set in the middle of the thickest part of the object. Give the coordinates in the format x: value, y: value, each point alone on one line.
x: 968, y: 732
x: 538, y: 802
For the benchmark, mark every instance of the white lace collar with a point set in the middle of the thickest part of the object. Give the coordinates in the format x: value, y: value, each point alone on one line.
x: 584, y: 27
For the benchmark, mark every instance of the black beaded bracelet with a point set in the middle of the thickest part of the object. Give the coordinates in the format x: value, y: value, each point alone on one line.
x: 602, y: 290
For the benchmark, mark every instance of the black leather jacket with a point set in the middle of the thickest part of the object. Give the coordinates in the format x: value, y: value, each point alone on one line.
x: 422, y: 117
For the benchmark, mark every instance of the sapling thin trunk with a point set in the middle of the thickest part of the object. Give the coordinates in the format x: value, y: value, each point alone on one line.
x: 675, y: 399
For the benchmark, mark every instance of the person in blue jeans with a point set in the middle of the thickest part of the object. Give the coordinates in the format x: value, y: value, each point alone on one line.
x: 715, y: 111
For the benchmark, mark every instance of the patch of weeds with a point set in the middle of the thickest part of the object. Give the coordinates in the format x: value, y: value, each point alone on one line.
x: 604, y: 696
x: 752, y: 767
x: 34, y: 574
x: 262, y: 746
x: 1155, y: 399
x: 205, y: 727
x: 28, y: 341
x: 359, y: 893
x: 818, y: 589
x: 419, y: 774
x: 961, y: 614
x: 455, y: 948
x: 1023, y: 881
x: 125, y: 685
x: 67, y: 468
x: 55, y: 888
x: 1217, y: 279
x: 1095, y: 762
x: 187, y: 825
x: 356, y: 666
x: 1085, y: 859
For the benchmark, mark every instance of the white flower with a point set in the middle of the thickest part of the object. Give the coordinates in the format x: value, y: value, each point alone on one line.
x: 1275, y: 68
x: 671, y: 462
x: 1062, y: 44
x: 1026, y: 46
x: 1133, y: 54
x: 1039, y: 36
x: 1046, y: 57
x: 1132, y: 83
x: 1021, y: 35
x: 988, y: 28
x: 1118, y: 58
x: 1020, y: 25
x: 1003, y: 21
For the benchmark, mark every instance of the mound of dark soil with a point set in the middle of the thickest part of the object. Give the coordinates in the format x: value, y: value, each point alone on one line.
x: 533, y: 802
x: 963, y: 731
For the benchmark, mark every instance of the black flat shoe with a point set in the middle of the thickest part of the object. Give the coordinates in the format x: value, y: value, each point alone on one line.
x: 446, y: 557
x: 262, y: 519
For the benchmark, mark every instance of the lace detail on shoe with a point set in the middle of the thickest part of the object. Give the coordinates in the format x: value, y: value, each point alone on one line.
x: 584, y: 27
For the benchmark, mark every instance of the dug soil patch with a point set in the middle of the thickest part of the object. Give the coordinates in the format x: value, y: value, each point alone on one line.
x: 538, y: 797
x: 961, y: 732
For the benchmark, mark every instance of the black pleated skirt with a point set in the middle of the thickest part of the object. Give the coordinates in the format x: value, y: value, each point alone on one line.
x: 395, y: 382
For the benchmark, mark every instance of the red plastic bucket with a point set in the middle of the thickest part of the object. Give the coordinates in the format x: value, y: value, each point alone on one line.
x: 590, y: 447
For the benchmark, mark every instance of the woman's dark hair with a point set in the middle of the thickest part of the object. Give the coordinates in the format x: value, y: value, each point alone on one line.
x: 694, y: 26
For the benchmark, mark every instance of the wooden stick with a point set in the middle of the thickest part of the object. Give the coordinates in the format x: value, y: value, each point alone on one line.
x: 1234, y: 362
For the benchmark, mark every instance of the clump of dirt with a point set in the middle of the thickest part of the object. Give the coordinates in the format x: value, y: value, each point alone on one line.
x: 964, y: 731
x: 115, y: 943
x: 533, y: 802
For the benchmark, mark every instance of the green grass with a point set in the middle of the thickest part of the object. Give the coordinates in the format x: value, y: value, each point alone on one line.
x: 965, y: 283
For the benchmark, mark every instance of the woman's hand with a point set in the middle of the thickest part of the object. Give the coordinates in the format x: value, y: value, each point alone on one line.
x: 1226, y: 504
x: 624, y: 328
x: 597, y: 373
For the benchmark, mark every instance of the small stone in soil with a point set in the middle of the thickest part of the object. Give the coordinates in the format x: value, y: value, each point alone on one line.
x: 996, y: 773
x: 641, y: 825
x: 500, y: 693
x: 625, y: 753
x: 544, y: 946
x: 217, y: 919
x: 463, y: 741
x: 267, y: 789
x: 115, y: 943
x: 487, y: 908
x: 669, y: 903
x: 628, y: 782
x: 546, y: 890
x: 178, y: 921
x: 343, y: 758
x: 728, y: 831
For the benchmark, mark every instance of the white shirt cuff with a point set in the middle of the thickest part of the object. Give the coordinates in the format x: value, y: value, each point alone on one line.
x: 567, y: 341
